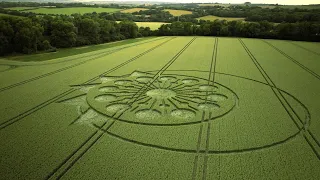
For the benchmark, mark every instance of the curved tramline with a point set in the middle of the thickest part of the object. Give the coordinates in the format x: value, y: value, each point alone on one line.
x: 185, y: 108
x: 86, y: 58
x: 32, y: 110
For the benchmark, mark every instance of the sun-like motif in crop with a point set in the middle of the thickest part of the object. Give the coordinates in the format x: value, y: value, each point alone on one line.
x: 137, y: 107
x: 149, y: 99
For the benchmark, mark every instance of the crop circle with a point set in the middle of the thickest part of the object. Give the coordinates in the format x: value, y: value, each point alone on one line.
x: 166, y: 100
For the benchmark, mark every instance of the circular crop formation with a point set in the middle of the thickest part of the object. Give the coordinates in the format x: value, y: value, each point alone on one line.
x: 146, y: 100
x: 164, y: 100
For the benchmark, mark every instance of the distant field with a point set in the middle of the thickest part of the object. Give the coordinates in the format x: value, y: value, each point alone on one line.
x: 1, y: 14
x: 144, y: 15
x: 64, y: 52
x: 224, y: 5
x: 178, y: 12
x: 152, y: 25
x: 69, y: 11
x: 213, y: 18
x: 20, y: 8
x: 270, y: 6
x: 133, y: 10
x: 302, y: 7
x: 175, y: 108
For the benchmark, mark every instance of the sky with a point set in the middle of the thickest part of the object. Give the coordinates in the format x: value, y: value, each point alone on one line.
x: 288, y: 2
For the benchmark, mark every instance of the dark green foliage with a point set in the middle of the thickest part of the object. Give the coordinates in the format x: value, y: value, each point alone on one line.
x: 6, y: 34
x: 28, y: 35
x: 308, y: 31
x: 31, y: 32
x: 128, y: 29
x: 63, y: 34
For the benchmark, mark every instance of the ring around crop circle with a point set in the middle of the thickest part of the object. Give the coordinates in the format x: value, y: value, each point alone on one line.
x: 221, y: 96
x: 170, y: 100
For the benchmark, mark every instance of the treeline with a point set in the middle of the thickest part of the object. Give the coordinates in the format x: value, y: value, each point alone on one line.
x: 17, y: 13
x: 142, y: 16
x: 155, y: 13
x: 6, y: 4
x: 254, y: 13
x: 29, y: 35
x: 46, y: 33
x: 307, y: 31
x: 31, y: 32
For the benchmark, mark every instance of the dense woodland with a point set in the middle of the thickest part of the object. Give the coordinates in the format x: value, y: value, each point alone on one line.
x: 29, y: 35
x: 28, y: 32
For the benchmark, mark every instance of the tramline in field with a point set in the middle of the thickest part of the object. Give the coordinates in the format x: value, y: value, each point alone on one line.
x: 165, y: 108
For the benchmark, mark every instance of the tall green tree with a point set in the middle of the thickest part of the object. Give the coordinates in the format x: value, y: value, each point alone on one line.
x: 28, y: 36
x: 88, y: 31
x: 128, y: 29
x: 6, y: 35
x: 63, y: 34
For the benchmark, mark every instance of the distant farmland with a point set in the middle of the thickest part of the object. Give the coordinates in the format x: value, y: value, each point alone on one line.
x: 270, y: 6
x: 164, y: 108
x: 224, y: 5
x: 69, y: 11
x: 133, y: 10
x: 21, y: 8
x: 178, y: 12
x: 213, y: 18
x: 152, y: 25
x: 1, y: 14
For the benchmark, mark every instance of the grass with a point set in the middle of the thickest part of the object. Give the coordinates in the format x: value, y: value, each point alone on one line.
x: 70, y: 51
x: 152, y: 25
x: 165, y: 108
x: 178, y: 12
x: 223, y: 5
x: 20, y: 8
x: 8, y: 15
x: 270, y: 6
x: 69, y: 11
x: 132, y: 10
x: 302, y: 6
x: 213, y: 18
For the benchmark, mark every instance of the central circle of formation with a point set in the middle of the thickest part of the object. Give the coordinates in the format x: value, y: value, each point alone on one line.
x: 161, y: 93
x: 148, y: 102
x: 165, y: 100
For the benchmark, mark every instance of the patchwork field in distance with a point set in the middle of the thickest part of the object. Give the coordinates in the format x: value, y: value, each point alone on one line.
x: 223, y: 5
x: 270, y: 6
x: 67, y: 11
x: 1, y: 14
x: 213, y: 18
x: 132, y: 10
x: 164, y: 108
x: 20, y: 8
x: 151, y: 25
x: 178, y: 12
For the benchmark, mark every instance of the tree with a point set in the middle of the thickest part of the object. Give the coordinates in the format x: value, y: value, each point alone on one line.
x: 63, y: 34
x: 106, y: 28
x: 28, y: 36
x: 128, y: 29
x: 145, y: 31
x: 6, y: 36
x: 251, y: 30
x: 88, y: 31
